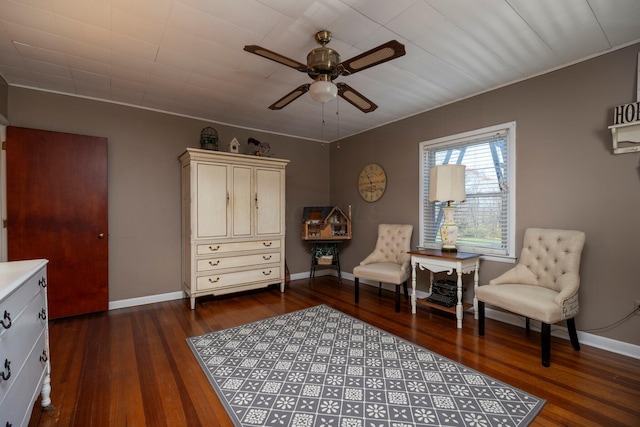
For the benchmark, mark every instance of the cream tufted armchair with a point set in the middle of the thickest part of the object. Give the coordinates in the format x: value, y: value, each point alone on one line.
x: 543, y: 285
x: 389, y: 262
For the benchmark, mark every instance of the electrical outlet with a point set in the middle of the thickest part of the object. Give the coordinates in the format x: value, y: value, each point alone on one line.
x: 636, y: 306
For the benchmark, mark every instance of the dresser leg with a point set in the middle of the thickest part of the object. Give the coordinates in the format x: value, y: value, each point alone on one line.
x: 46, y: 391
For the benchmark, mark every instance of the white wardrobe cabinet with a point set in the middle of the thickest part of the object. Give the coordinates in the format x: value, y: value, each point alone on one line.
x: 233, y: 222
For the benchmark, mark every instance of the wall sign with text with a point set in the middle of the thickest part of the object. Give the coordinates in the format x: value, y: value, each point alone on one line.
x: 625, y: 130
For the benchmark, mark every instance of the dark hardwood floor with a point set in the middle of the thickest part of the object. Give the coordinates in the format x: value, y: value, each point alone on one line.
x: 132, y: 367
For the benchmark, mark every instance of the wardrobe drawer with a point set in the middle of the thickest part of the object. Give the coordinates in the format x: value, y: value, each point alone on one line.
x: 266, y: 274
x: 212, y: 264
x: 220, y: 248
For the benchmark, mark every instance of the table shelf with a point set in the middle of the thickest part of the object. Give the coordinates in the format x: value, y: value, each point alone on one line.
x: 452, y: 309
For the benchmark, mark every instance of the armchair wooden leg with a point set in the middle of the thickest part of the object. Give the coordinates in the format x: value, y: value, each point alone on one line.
x: 406, y: 289
x: 379, y: 289
x: 481, y: 318
x: 357, y: 289
x: 397, y: 298
x: 546, y: 344
x: 527, y: 325
x: 573, y: 335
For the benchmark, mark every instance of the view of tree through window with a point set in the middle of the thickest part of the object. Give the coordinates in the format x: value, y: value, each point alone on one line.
x: 483, y: 219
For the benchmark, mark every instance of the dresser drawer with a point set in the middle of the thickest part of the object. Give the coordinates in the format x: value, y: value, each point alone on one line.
x: 14, y: 304
x: 16, y: 406
x: 224, y: 280
x: 18, y: 340
x: 212, y: 264
x: 221, y: 248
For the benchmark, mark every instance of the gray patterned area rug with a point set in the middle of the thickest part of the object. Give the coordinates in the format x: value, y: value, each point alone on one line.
x: 321, y: 367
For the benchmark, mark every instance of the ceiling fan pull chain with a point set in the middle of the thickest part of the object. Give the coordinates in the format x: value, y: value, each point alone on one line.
x: 322, y: 129
x: 338, y: 119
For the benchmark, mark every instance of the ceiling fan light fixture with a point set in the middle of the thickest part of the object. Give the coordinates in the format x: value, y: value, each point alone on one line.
x: 323, y: 89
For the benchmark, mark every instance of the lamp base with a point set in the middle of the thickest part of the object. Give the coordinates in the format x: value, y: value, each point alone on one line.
x: 449, y: 230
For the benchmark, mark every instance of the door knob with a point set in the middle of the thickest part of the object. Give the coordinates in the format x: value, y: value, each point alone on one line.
x: 101, y: 236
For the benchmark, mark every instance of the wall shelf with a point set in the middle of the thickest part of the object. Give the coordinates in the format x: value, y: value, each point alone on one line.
x: 626, y: 133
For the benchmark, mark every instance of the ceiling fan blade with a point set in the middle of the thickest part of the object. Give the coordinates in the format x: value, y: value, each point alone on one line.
x: 269, y: 54
x: 290, y: 97
x: 355, y: 98
x: 383, y: 53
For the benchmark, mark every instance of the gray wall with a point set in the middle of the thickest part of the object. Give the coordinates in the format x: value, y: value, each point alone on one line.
x: 144, y: 181
x: 4, y: 101
x: 567, y: 176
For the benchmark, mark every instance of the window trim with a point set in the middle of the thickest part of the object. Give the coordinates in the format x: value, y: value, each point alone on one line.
x: 510, y: 128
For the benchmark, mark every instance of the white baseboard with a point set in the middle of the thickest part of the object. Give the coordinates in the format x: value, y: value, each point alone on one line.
x: 133, y: 302
x: 298, y: 276
x: 171, y: 296
x: 608, y: 344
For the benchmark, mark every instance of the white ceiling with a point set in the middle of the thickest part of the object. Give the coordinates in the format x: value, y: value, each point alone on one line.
x: 186, y: 56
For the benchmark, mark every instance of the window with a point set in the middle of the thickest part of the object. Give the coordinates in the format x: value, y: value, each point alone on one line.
x: 486, y: 219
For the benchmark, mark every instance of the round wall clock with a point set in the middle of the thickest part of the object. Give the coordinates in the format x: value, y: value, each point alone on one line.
x: 372, y: 182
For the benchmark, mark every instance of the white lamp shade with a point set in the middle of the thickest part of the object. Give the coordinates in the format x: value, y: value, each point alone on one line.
x: 446, y: 183
x: 323, y: 91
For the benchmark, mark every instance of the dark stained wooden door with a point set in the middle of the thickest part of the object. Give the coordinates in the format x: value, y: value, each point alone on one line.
x: 57, y: 210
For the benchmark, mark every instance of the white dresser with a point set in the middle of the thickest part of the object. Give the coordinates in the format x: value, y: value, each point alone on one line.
x: 233, y: 222
x: 24, y: 340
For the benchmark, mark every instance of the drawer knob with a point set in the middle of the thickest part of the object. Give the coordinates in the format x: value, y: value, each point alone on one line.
x: 6, y: 321
x: 213, y: 264
x: 267, y: 244
x: 267, y: 273
x: 43, y: 314
x: 266, y: 258
x: 43, y: 282
x: 214, y: 281
x: 211, y: 248
x: 6, y: 374
x: 43, y: 356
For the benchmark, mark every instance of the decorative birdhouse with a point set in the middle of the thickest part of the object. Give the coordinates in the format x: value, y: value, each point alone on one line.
x: 234, y: 146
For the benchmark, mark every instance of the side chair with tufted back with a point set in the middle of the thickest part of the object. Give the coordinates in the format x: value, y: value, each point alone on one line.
x: 543, y: 285
x: 389, y: 262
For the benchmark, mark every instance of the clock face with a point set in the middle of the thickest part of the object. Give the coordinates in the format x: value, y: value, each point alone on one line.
x: 372, y: 182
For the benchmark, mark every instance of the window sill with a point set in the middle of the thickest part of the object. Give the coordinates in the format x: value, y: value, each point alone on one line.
x: 499, y: 258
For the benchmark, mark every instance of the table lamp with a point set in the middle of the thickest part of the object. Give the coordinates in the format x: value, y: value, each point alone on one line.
x: 446, y: 184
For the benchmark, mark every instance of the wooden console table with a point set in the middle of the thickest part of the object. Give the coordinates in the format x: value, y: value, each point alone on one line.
x: 436, y: 261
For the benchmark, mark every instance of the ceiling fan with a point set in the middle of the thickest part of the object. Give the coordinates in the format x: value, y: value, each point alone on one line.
x: 323, y: 66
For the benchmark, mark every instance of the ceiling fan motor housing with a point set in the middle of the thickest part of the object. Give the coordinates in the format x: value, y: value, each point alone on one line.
x: 323, y: 60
